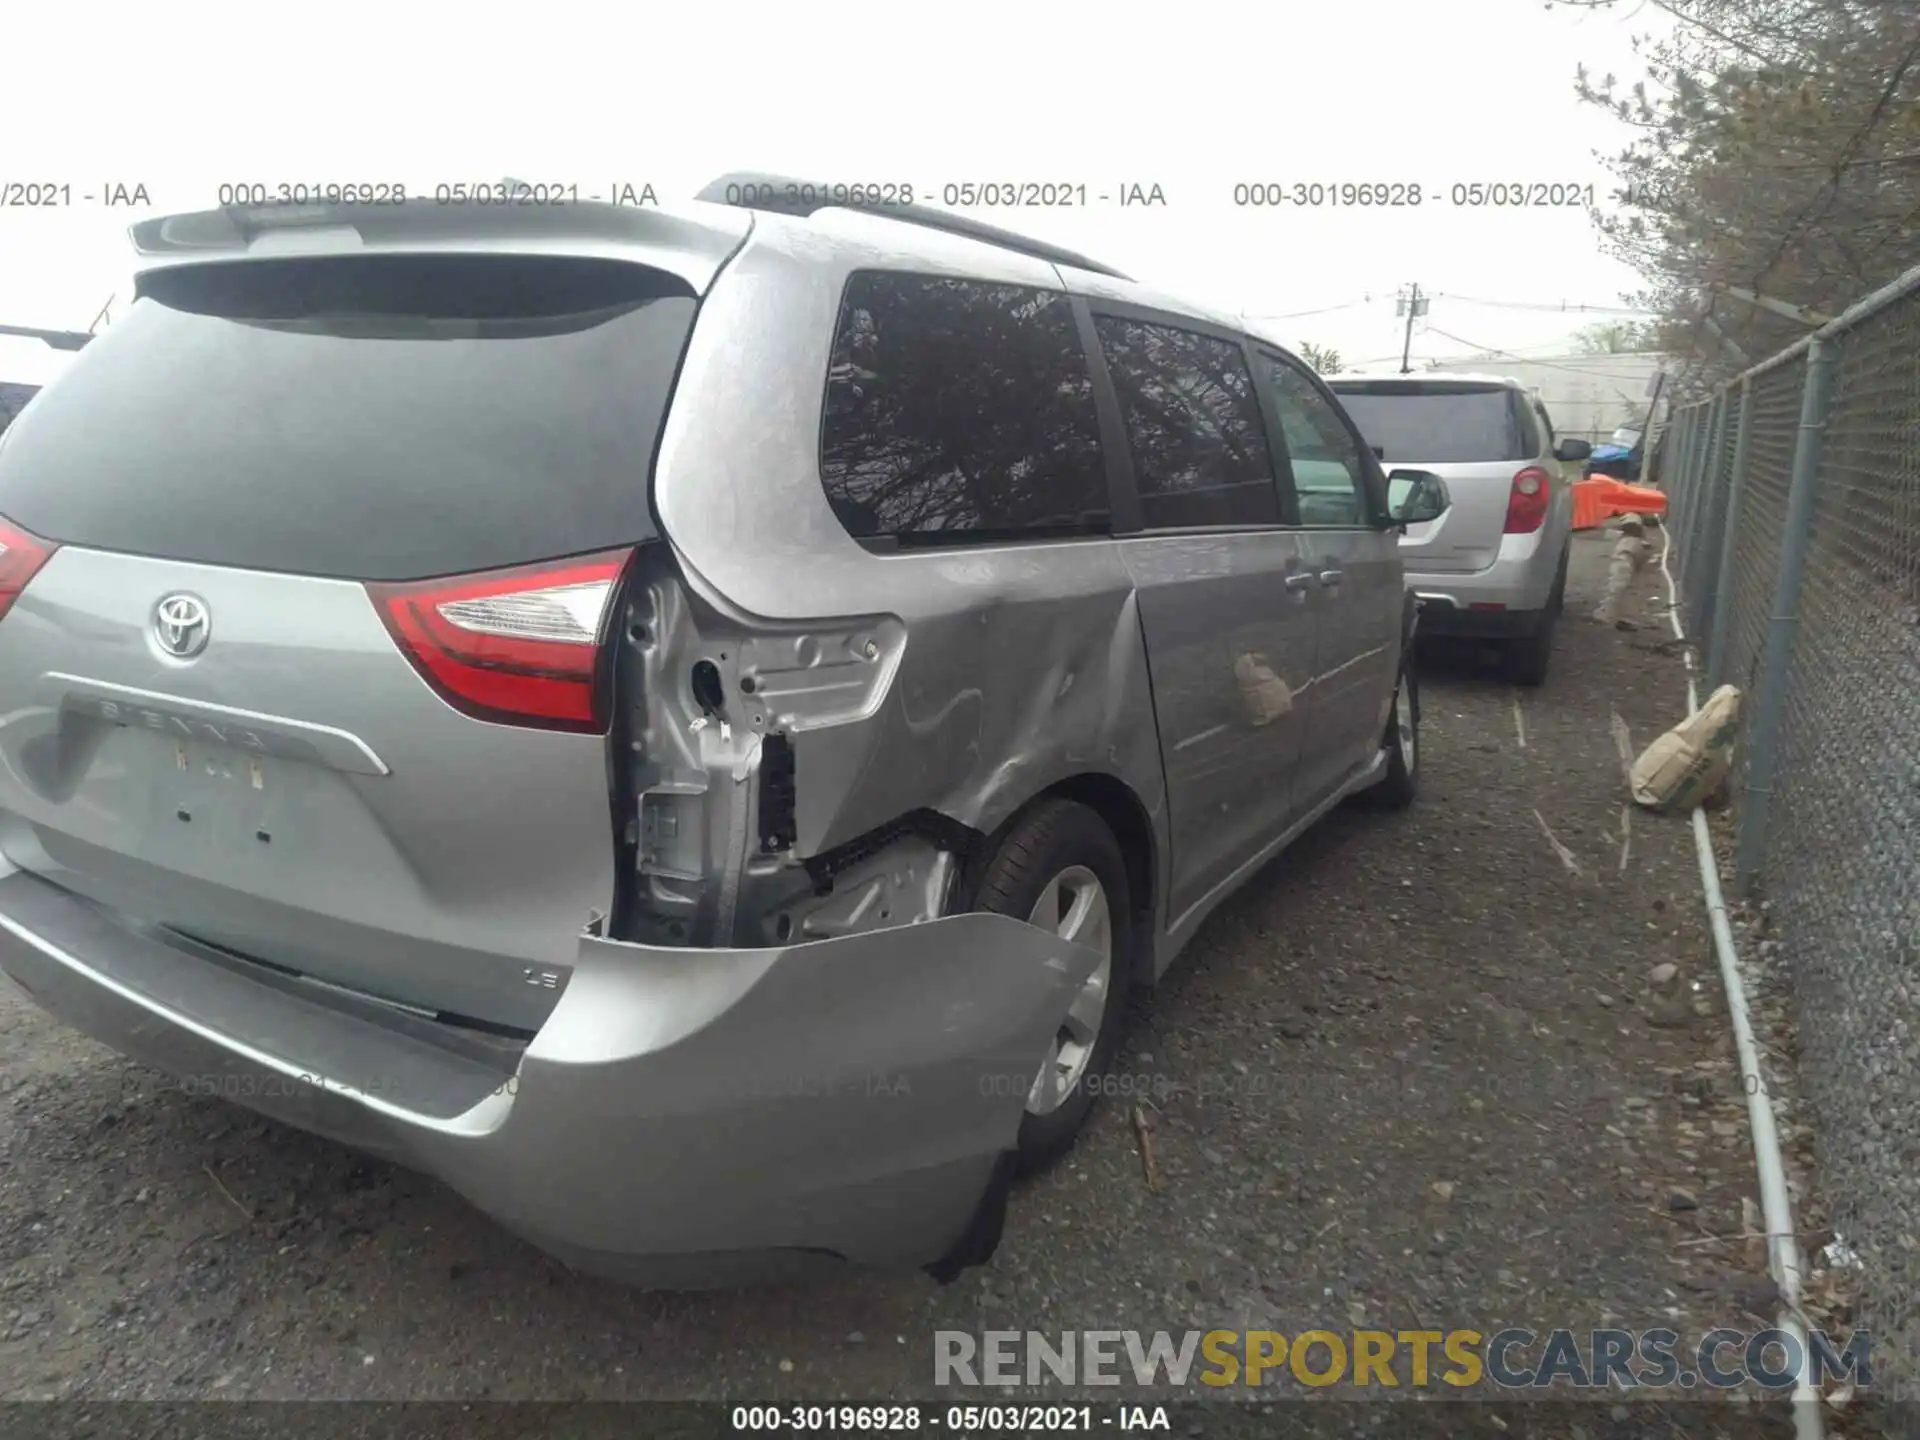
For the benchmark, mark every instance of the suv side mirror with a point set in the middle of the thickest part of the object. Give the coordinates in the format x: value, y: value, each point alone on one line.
x: 1379, y: 451
x: 1571, y: 450
x: 1415, y: 497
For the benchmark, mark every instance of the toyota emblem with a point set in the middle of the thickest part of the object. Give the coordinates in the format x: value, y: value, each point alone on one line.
x: 181, y: 625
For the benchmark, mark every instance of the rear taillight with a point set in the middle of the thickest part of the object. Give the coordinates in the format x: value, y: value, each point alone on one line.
x: 519, y: 647
x: 21, y: 556
x: 1528, y: 500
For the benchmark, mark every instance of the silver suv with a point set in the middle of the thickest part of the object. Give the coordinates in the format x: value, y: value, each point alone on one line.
x: 1495, y: 565
x: 685, y: 723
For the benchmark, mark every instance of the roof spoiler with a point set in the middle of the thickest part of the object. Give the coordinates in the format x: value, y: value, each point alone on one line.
x: 58, y: 339
x: 691, y: 243
x: 785, y: 195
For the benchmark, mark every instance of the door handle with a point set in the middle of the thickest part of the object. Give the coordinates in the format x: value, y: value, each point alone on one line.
x: 1301, y: 581
x: 1331, y: 577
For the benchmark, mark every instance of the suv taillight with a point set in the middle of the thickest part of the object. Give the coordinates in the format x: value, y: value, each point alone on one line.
x: 1527, y: 501
x: 519, y: 646
x: 21, y: 556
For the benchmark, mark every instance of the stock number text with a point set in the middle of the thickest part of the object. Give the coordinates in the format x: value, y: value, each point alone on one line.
x: 1275, y: 193
x: 325, y: 192
x: 877, y: 192
x: 826, y: 1417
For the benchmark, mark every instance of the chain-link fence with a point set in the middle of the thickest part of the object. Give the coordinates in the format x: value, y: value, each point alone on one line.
x: 1794, y: 506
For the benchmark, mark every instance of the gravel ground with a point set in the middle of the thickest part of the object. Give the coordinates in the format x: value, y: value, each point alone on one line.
x: 1417, y: 1075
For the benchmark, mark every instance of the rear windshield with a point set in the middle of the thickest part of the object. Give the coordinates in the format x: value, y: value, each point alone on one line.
x: 1437, y: 424
x: 371, y: 418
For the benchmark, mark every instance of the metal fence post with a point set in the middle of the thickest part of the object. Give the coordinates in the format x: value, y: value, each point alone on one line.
x: 1698, y: 537
x: 1703, y: 477
x: 1696, y: 458
x: 1720, y: 587
x: 1713, y: 511
x: 1677, y: 481
x: 1772, y: 695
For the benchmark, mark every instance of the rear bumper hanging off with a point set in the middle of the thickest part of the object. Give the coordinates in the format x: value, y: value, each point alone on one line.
x: 684, y: 1116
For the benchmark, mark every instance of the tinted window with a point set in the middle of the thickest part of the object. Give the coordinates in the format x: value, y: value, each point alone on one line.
x: 1329, y: 476
x: 1437, y: 423
x: 13, y: 399
x: 376, y: 418
x: 1529, y: 423
x: 1199, y: 447
x: 957, y: 409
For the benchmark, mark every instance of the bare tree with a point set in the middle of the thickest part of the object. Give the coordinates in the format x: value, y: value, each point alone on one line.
x: 1775, y: 149
x: 1323, y: 358
x: 1616, y: 337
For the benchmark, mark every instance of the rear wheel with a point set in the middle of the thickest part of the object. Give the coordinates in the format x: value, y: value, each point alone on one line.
x: 1400, y: 785
x: 1060, y: 868
x: 1529, y: 658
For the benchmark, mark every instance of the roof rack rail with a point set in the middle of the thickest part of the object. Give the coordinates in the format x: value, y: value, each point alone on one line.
x: 785, y: 195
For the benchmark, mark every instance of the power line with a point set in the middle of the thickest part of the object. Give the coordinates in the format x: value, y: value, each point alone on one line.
x: 1302, y: 314
x: 1556, y: 307
x: 1498, y: 353
x: 1556, y: 347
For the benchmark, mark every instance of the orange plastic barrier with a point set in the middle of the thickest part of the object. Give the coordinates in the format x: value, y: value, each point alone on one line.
x: 1596, y: 501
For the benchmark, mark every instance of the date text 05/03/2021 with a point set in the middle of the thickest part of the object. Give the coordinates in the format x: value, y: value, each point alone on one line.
x: 988, y: 194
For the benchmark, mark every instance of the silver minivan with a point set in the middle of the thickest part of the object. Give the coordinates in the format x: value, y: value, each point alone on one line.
x: 1494, y: 567
x: 686, y: 723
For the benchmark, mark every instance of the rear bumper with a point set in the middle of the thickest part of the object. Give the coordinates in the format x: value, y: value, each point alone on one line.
x: 1442, y: 615
x: 1502, y: 602
x: 685, y: 1117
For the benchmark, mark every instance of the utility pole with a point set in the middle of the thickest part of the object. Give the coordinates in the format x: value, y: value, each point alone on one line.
x: 1412, y: 306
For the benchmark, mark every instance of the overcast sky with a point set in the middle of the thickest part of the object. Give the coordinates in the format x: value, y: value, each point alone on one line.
x: 1195, y: 98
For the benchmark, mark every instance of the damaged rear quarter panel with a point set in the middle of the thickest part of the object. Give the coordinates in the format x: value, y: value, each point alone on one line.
x: 991, y: 703
x: 1007, y: 668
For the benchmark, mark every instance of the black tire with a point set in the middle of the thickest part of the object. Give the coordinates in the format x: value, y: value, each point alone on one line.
x: 1400, y: 786
x: 1048, y: 839
x: 1529, y: 658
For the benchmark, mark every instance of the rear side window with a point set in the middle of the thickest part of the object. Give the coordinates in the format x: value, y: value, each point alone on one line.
x: 1528, y: 419
x: 1438, y: 423
x: 367, y: 417
x: 13, y: 399
x: 960, y: 412
x: 1200, y: 453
